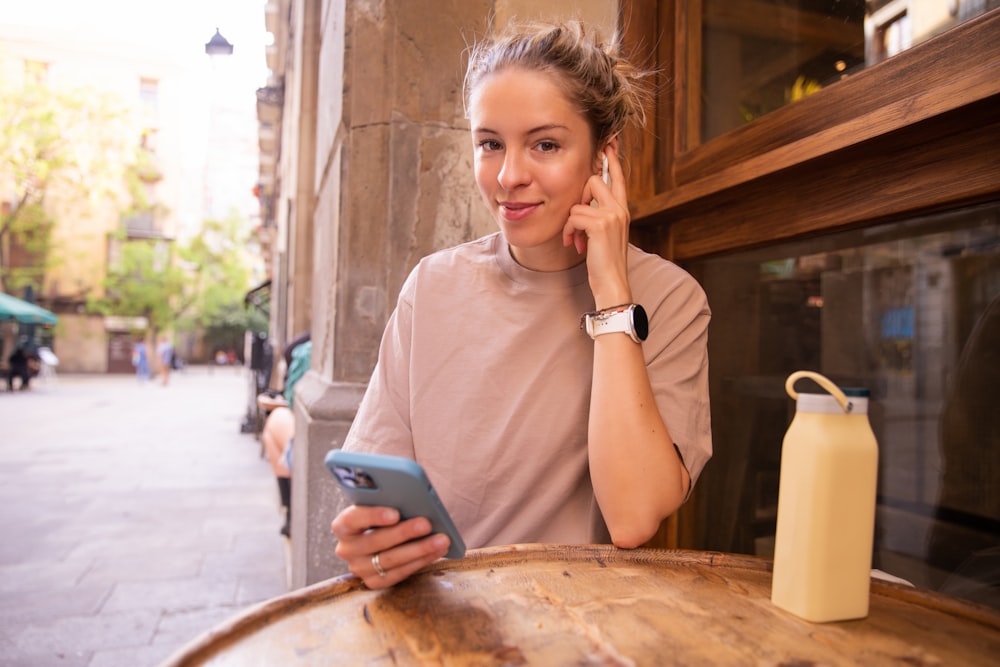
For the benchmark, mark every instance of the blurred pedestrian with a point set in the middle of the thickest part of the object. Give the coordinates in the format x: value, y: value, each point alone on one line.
x: 21, y: 361
x: 165, y: 355
x: 278, y: 432
x: 140, y: 360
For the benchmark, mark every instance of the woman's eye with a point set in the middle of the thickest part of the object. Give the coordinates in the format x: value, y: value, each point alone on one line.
x: 490, y: 145
x: 547, y: 146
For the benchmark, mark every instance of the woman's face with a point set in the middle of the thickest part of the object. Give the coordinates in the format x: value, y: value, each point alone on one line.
x: 533, y: 155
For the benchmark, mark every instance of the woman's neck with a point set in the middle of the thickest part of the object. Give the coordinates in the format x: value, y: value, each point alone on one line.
x: 547, y: 258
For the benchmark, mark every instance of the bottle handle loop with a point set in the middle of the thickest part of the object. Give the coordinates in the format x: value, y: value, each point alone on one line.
x: 822, y: 381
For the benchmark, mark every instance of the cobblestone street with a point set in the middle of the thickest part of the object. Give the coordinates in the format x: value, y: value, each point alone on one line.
x: 135, y: 516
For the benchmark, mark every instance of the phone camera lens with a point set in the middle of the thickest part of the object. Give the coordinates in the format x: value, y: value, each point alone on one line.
x: 363, y: 480
x: 355, y: 478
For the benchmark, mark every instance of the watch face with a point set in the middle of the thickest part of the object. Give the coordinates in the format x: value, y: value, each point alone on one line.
x: 640, y: 321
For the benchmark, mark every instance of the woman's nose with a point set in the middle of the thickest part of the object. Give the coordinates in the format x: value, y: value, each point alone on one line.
x: 514, y: 171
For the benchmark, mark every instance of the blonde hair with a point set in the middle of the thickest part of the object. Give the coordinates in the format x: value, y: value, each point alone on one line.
x: 607, y: 90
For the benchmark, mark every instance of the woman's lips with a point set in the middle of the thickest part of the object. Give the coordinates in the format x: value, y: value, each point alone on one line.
x: 515, y: 211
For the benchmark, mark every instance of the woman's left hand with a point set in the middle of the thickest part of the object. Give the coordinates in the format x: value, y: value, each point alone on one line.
x: 601, y: 230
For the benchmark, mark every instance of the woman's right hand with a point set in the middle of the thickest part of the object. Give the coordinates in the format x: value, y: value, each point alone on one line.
x: 403, y: 547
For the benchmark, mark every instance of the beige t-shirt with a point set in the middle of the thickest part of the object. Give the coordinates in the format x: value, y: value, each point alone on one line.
x: 484, y: 379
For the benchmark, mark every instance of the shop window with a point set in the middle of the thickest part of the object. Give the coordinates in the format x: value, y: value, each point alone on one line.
x: 727, y: 155
x: 759, y: 55
x: 909, y: 310
x: 816, y: 229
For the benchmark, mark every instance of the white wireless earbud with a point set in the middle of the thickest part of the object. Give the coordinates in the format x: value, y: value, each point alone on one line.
x: 604, y: 171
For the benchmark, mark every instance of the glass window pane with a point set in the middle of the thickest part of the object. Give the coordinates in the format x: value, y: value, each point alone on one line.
x: 759, y: 55
x: 909, y: 310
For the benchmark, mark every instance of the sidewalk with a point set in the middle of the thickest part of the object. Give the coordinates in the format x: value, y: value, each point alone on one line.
x: 135, y: 517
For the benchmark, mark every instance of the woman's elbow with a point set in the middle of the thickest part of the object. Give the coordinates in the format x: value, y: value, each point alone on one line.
x: 635, y: 530
x: 633, y: 535
x: 629, y: 541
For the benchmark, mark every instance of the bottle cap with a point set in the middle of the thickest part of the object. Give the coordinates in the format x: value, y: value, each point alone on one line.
x: 827, y: 404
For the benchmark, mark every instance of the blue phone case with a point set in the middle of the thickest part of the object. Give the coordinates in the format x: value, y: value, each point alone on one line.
x: 393, y: 481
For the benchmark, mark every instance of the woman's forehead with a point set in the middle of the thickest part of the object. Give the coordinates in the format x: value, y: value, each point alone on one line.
x: 528, y: 96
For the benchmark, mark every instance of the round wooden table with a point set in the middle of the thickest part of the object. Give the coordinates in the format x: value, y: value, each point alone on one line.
x: 591, y: 605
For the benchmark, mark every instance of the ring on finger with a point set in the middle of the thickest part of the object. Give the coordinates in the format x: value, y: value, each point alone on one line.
x: 377, y: 566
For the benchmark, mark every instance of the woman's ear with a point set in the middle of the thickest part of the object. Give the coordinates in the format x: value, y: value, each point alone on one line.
x: 601, y: 163
x: 613, y: 143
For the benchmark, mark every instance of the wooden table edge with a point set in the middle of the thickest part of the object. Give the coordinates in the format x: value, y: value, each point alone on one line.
x: 213, y: 641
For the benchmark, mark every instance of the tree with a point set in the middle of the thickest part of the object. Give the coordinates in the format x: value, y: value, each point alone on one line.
x: 197, y: 285
x: 143, y: 281
x: 55, y: 144
x: 218, y: 260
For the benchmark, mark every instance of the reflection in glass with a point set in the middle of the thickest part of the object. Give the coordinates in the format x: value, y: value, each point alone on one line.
x: 910, y: 311
x: 759, y: 55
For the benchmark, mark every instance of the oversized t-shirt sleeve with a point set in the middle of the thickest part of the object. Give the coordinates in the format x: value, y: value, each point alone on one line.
x: 382, y: 423
x: 677, y: 362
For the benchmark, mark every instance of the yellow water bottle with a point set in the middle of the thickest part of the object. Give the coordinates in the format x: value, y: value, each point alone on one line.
x: 826, y: 505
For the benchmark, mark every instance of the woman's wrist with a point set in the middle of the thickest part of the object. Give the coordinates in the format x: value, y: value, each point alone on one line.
x: 612, y: 296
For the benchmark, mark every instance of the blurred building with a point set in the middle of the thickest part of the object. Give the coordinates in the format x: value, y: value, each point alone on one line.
x: 196, y: 137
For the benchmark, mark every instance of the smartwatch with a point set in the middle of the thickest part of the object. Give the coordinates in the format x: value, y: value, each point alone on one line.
x: 627, y: 318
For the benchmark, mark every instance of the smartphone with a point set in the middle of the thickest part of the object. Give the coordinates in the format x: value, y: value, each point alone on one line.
x: 393, y: 481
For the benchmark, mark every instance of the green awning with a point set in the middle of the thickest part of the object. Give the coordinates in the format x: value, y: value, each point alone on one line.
x: 18, y: 310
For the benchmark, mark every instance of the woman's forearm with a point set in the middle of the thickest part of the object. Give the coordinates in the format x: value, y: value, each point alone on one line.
x: 638, y: 477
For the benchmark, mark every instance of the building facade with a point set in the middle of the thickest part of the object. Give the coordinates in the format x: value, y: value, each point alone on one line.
x: 180, y: 129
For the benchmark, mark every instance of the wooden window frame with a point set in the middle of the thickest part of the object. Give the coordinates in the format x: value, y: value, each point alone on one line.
x: 914, y: 134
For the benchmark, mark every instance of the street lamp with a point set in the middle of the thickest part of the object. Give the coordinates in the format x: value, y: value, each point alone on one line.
x: 218, y: 45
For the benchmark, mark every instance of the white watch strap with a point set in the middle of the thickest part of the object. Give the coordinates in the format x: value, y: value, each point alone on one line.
x: 618, y: 322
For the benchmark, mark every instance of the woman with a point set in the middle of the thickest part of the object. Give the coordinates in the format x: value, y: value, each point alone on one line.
x: 529, y: 429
